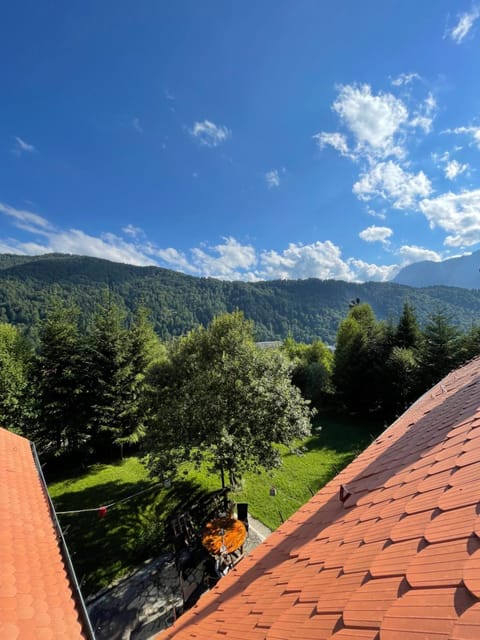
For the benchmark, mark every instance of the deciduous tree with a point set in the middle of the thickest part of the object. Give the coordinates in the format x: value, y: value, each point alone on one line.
x: 221, y: 399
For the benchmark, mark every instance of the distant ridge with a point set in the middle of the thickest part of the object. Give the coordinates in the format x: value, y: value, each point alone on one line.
x: 454, y: 272
x: 306, y: 309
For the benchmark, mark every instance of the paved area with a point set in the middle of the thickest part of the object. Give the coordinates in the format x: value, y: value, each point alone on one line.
x: 143, y: 603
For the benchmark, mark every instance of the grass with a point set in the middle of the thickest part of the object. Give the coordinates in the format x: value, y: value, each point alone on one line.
x: 104, y: 548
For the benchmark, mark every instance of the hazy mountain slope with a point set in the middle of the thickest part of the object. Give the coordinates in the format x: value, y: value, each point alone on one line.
x: 455, y: 272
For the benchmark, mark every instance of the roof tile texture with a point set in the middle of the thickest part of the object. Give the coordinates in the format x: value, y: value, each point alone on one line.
x: 400, y: 558
x: 36, y: 601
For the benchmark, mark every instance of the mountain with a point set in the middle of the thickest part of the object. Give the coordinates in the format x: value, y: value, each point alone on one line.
x: 454, y: 272
x: 307, y: 309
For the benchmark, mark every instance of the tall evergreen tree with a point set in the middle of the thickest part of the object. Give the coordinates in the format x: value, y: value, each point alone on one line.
x: 118, y: 360
x: 362, y: 347
x: 108, y: 374
x: 439, y: 353
x: 408, y: 334
x: 61, y: 391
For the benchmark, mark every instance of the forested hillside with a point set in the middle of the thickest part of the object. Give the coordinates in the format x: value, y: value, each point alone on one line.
x: 307, y: 309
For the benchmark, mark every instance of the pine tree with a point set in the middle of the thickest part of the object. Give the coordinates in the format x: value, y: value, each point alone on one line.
x: 408, y: 334
x: 62, y: 407
x: 439, y: 353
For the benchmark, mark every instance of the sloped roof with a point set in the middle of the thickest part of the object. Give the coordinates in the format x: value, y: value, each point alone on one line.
x: 37, y: 598
x: 400, y: 558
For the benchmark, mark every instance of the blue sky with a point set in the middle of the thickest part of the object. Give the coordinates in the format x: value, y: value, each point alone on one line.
x: 242, y: 140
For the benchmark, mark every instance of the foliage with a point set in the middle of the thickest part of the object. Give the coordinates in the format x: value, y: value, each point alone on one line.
x: 60, y: 382
x: 361, y: 351
x: 439, y: 352
x: 89, y: 384
x: 15, y: 363
x: 104, y: 548
x: 312, y: 369
x: 307, y: 309
x: 222, y: 399
x: 407, y: 334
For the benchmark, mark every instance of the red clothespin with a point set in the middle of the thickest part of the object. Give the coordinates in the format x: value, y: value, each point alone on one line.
x: 102, y: 512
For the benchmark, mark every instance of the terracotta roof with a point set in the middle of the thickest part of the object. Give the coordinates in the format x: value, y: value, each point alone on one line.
x: 400, y: 558
x: 37, y: 598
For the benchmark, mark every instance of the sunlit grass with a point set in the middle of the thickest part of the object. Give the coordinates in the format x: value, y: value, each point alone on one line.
x: 104, y: 548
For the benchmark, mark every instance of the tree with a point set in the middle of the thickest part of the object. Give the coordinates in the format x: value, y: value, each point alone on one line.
x: 62, y: 407
x: 312, y: 368
x: 362, y: 347
x: 15, y: 364
x: 142, y: 348
x: 408, y: 334
x: 220, y: 399
x: 439, y: 353
x: 402, y: 383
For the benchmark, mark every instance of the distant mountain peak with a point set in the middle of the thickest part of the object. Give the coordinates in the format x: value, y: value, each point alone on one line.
x: 463, y: 271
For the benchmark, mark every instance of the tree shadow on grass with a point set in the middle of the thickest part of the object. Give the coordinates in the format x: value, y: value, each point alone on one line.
x: 103, y: 548
x: 343, y: 434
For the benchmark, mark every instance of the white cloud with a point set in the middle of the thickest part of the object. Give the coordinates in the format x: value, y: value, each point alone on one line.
x: 465, y: 23
x: 423, y: 116
x: 136, y: 125
x: 176, y: 259
x: 22, y: 147
x: 372, y: 119
x: 49, y: 239
x: 134, y: 232
x: 227, y: 258
x: 456, y: 213
x: 372, y: 272
x: 317, y: 260
x: 389, y: 181
x: 336, y: 140
x: 234, y: 261
x: 376, y: 234
x: 272, y: 178
x: 412, y: 253
x: 230, y: 259
x: 404, y: 79
x: 472, y: 131
x: 26, y: 220
x: 210, y: 134
x: 376, y: 214
x: 454, y: 169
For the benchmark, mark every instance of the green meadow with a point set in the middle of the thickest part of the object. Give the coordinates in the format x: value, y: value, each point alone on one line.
x: 103, y: 548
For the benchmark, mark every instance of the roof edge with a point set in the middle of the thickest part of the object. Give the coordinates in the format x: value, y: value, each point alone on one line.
x: 75, y: 586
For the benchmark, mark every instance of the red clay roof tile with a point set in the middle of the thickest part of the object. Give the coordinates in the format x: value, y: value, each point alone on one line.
x: 394, y: 558
x: 449, y: 525
x: 467, y: 474
x: 398, y: 560
x: 356, y: 634
x: 368, y: 604
x: 439, y: 565
x: 424, y: 613
x: 459, y: 496
x: 36, y: 598
x: 411, y: 526
x: 471, y: 574
x: 467, y: 627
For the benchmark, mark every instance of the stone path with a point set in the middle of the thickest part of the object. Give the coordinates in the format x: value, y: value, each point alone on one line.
x: 143, y: 603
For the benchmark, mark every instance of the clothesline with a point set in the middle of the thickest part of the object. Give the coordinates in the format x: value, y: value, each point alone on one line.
x: 104, y: 507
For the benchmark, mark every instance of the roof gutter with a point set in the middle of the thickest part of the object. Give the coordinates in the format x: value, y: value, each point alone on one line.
x: 77, y: 594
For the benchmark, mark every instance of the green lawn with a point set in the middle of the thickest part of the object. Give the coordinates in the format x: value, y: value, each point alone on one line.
x: 104, y: 548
